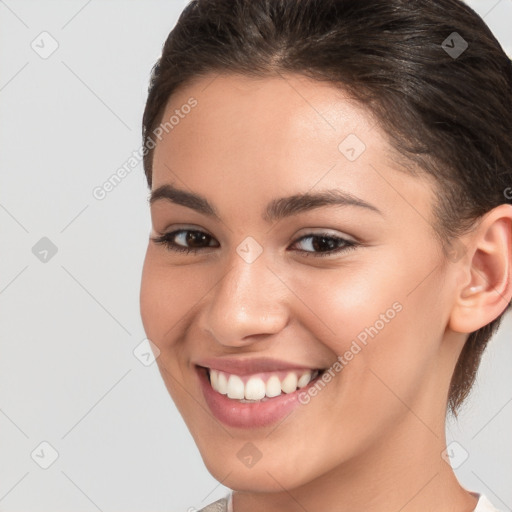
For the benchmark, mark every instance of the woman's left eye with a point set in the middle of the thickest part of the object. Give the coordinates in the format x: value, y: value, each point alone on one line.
x: 326, y: 244
x: 320, y: 244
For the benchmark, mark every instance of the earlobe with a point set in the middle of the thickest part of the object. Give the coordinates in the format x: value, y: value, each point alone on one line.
x: 487, y: 289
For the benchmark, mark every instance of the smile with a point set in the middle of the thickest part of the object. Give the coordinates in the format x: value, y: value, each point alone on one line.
x: 253, y: 393
x: 260, y: 386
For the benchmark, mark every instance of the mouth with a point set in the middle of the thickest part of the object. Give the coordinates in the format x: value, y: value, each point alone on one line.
x: 261, y: 386
x: 252, y: 400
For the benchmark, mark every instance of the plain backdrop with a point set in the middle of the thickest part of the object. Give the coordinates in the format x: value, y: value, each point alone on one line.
x: 73, y: 82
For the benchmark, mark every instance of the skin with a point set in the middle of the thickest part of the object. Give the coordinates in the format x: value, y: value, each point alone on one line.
x: 372, y: 439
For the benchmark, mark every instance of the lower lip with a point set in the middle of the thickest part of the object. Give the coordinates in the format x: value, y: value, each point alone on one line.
x: 249, y: 415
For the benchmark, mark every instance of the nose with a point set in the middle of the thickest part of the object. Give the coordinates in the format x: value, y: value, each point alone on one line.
x: 246, y: 305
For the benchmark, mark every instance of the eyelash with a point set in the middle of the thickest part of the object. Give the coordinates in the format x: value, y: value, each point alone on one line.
x: 167, y: 241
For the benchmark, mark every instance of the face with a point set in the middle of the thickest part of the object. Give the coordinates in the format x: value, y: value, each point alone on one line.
x: 291, y: 331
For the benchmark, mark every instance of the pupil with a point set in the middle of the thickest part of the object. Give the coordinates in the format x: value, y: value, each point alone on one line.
x: 194, y: 237
x: 324, y: 241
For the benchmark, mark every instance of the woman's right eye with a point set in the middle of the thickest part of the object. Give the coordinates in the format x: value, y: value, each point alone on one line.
x: 181, y: 239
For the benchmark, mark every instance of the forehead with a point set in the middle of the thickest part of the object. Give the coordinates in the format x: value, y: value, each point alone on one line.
x: 288, y: 115
x: 276, y: 135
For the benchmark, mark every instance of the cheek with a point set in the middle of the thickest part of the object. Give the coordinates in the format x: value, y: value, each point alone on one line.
x: 352, y: 303
x: 165, y: 304
x: 168, y: 295
x: 386, y: 331
x: 152, y: 298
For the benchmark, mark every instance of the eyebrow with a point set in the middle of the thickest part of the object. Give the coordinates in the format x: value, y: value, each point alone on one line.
x: 276, y: 209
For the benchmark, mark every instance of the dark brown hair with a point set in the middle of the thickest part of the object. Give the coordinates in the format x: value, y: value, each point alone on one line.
x: 445, y: 107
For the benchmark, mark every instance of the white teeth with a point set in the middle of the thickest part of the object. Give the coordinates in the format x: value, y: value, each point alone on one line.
x: 273, y: 387
x: 304, y: 380
x: 289, y: 384
x: 235, y: 387
x: 214, y: 379
x: 222, y: 384
x: 255, y: 389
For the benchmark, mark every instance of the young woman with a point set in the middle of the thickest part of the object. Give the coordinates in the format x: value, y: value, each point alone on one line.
x: 331, y: 245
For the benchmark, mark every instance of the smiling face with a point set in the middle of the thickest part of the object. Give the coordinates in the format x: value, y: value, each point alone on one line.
x: 350, y: 282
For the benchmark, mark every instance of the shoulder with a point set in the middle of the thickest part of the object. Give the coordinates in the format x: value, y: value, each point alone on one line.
x: 218, y: 506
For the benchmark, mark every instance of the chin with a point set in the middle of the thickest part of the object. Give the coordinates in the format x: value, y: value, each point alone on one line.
x: 262, y: 477
x: 231, y: 464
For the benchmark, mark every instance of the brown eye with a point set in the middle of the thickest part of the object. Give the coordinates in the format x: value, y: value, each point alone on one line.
x: 325, y: 244
x: 185, y: 240
x: 197, y: 238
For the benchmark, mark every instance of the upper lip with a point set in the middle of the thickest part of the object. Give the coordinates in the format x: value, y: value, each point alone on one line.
x: 248, y: 366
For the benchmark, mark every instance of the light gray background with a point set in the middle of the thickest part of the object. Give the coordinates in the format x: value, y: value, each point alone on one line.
x: 68, y: 375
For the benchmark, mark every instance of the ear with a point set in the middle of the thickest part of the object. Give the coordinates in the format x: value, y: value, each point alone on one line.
x: 486, y: 283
